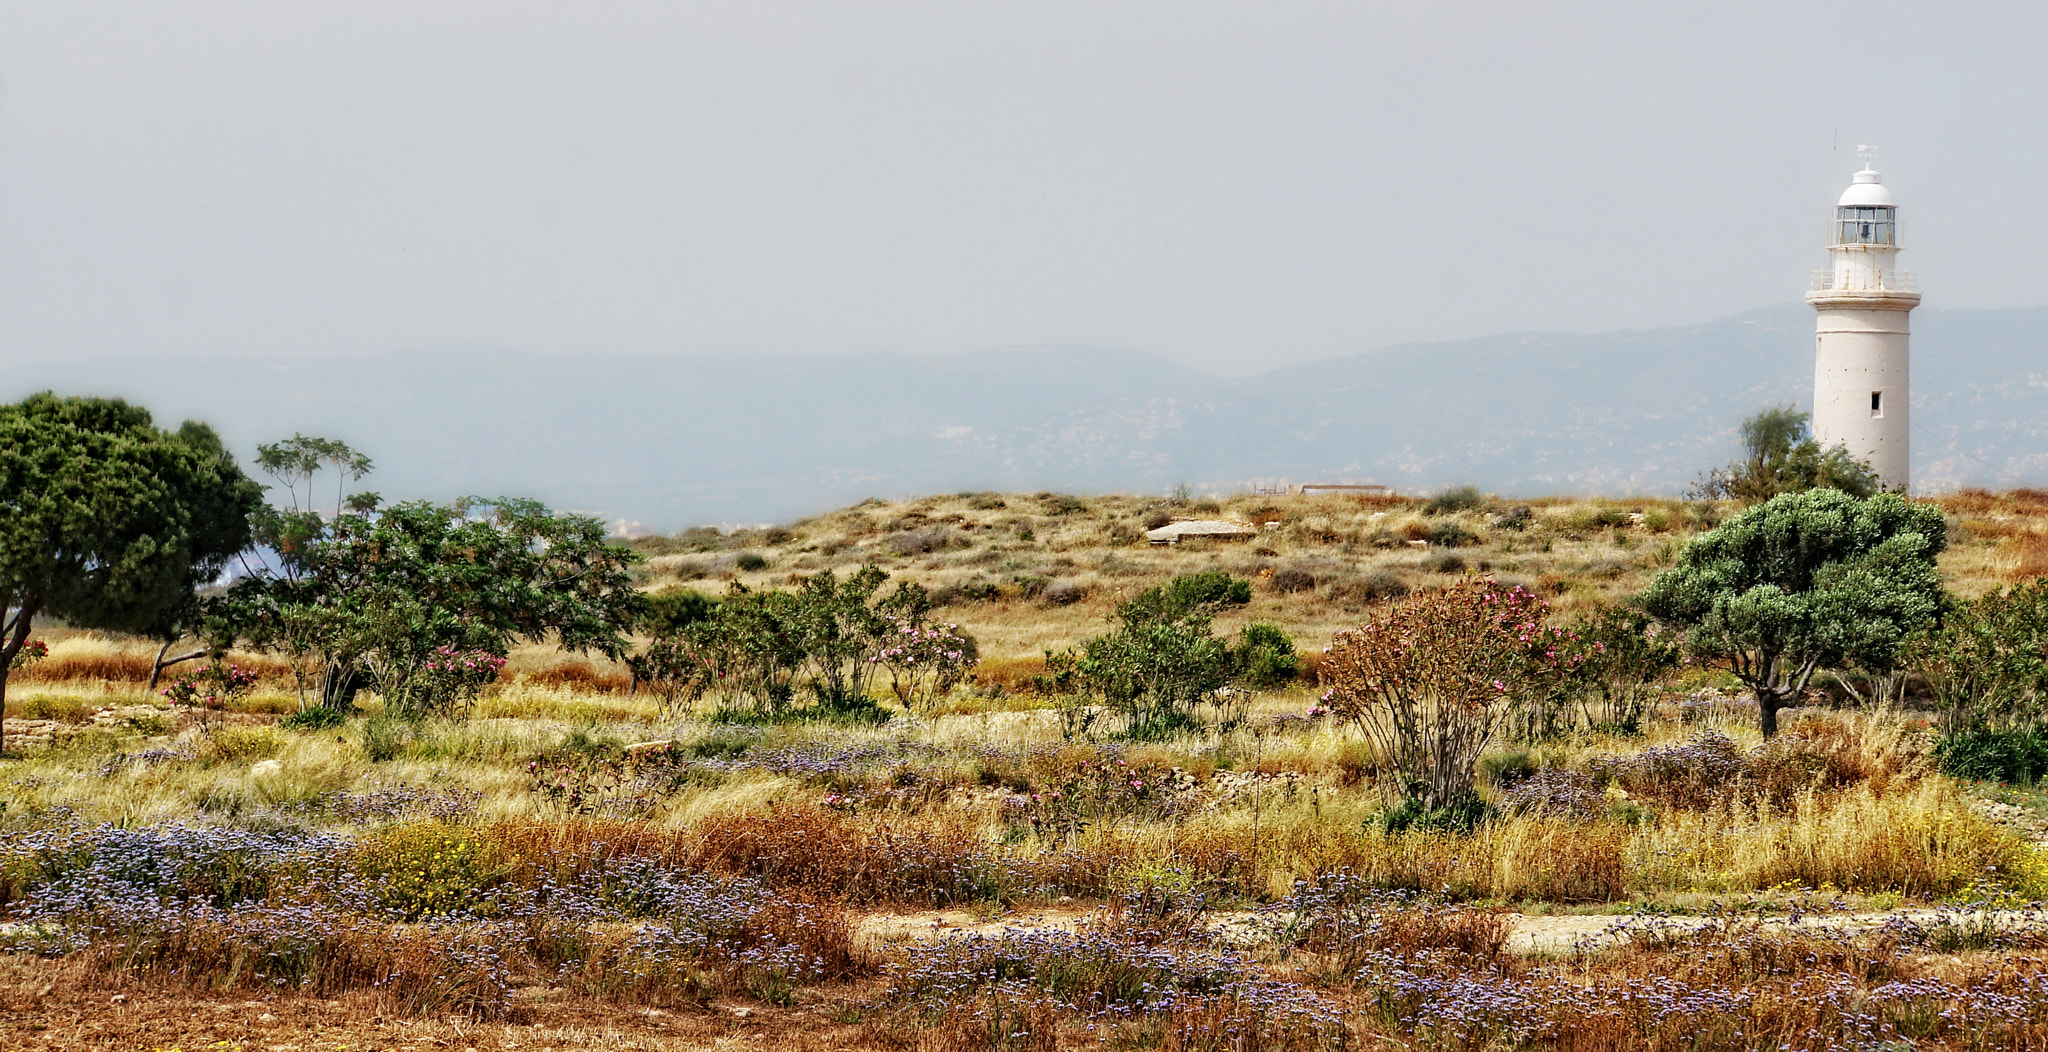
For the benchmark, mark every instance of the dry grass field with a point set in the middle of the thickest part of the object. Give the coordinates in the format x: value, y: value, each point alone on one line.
x: 519, y: 879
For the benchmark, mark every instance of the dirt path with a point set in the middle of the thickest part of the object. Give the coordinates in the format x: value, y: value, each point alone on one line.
x: 1547, y: 935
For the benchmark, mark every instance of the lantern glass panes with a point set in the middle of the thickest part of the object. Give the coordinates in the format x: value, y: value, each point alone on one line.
x: 1865, y: 225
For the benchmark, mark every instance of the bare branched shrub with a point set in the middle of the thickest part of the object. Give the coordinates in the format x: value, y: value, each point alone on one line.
x: 935, y: 861
x: 1377, y: 586
x: 1307, y: 574
x: 1066, y: 593
x: 918, y: 542
x: 1431, y: 682
x: 1345, y: 920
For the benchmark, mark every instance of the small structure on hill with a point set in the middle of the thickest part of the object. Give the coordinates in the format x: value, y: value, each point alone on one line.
x: 1208, y: 529
x: 1321, y: 489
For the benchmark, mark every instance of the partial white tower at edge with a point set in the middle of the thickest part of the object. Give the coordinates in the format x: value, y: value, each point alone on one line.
x: 1860, y: 367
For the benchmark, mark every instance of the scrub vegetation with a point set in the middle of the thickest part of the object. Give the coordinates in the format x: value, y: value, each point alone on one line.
x: 990, y: 771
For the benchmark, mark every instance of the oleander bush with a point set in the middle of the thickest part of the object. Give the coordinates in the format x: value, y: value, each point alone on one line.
x: 2018, y: 755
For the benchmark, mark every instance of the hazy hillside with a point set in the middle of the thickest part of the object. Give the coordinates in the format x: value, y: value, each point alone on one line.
x: 677, y: 441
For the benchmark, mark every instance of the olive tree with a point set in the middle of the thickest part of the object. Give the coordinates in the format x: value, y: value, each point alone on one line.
x: 108, y: 521
x: 1803, y: 582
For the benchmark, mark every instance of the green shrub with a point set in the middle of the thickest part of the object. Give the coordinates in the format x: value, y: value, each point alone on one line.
x: 1987, y: 662
x: 672, y: 609
x: 238, y: 744
x: 1602, y: 517
x: 148, y: 724
x: 60, y: 707
x: 1265, y: 656
x: 722, y: 743
x: 1162, y: 662
x: 1370, y: 588
x: 1503, y: 769
x: 1412, y: 813
x: 1457, y: 498
x: 1451, y: 535
x: 318, y: 718
x: 1065, y: 593
x: 1306, y: 574
x: 1516, y: 519
x: 750, y: 562
x: 1988, y: 755
x: 1188, y: 594
x: 973, y: 590
x: 693, y: 541
x: 385, y: 737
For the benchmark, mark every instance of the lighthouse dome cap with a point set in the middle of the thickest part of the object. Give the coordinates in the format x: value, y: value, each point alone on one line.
x: 1867, y: 192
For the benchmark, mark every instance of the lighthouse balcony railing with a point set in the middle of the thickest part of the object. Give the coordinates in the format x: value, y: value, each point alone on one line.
x: 1864, y: 281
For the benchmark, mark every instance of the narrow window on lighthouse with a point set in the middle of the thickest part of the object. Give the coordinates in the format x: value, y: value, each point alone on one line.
x: 1877, y: 403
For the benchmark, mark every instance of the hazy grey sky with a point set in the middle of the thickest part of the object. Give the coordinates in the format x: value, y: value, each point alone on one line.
x: 1235, y: 186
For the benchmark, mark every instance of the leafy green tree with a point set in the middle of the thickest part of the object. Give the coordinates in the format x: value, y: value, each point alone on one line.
x: 1624, y: 655
x: 839, y: 629
x: 1780, y: 455
x: 402, y: 591
x: 754, y: 650
x: 289, y: 533
x: 757, y: 650
x: 106, y: 520
x: 1163, y: 660
x: 296, y: 461
x: 1987, y: 662
x: 1804, y: 581
x: 671, y: 610
x: 1265, y: 657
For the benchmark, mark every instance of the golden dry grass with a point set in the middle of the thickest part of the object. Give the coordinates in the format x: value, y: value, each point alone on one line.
x: 1876, y: 821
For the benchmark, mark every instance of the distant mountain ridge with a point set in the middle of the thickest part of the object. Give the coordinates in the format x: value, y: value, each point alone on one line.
x: 676, y: 441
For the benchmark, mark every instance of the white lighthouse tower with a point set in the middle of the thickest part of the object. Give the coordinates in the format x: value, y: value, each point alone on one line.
x: 1860, y: 362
